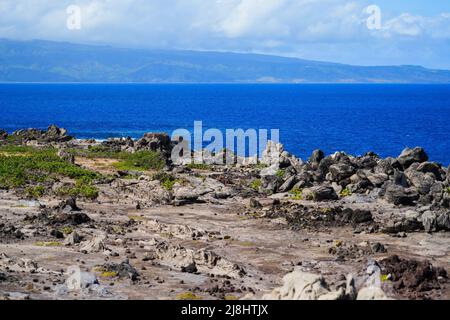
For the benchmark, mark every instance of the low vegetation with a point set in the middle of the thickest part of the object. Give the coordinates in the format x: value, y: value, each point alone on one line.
x: 256, y: 184
x: 140, y: 161
x: 199, y: 166
x: 346, y: 193
x: 31, y: 169
x: 297, y: 193
x: 167, y: 180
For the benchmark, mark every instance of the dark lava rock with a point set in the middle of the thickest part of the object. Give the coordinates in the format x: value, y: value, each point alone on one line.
x: 317, y: 156
x: 412, y: 277
x: 400, y: 196
x: 341, y: 171
x: 123, y: 270
x: 10, y: 232
x: 52, y: 134
x: 320, y: 193
x: 57, y: 234
x: 67, y: 206
x: 410, y: 156
x: 74, y: 219
x: 191, y: 268
x: 356, y: 216
x: 3, y: 135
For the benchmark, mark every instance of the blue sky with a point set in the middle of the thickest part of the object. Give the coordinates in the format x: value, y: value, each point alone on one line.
x: 411, y: 31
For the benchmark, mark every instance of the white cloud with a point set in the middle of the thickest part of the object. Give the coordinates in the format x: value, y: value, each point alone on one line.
x: 322, y: 29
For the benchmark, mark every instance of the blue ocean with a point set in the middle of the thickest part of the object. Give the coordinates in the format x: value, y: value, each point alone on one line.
x: 351, y: 118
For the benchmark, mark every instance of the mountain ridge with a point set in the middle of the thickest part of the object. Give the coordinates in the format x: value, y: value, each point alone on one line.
x: 59, y: 62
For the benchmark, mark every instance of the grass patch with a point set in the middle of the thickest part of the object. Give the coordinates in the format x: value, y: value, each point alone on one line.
x: 83, y: 187
x: 199, y: 166
x: 35, y: 192
x: 167, y: 180
x: 33, y: 166
x: 140, y: 161
x: 188, y: 296
x: 109, y: 274
x: 48, y: 244
x: 67, y: 230
x: 280, y: 174
x: 256, y: 184
x: 345, y: 193
x: 297, y: 193
x: 447, y: 190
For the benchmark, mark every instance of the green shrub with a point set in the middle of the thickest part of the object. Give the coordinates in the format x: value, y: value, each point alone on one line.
x: 297, y: 193
x: 167, y: 180
x: 345, y: 193
x: 34, y: 166
x: 199, y: 166
x: 447, y: 190
x: 83, y: 188
x: 142, y: 160
x: 35, y: 192
x: 256, y: 184
x: 280, y: 174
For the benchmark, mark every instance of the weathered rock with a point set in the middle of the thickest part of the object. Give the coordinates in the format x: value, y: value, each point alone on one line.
x: 79, y: 280
x: 435, y: 221
x: 73, y: 238
x: 3, y: 135
x: 320, y: 193
x: 288, y: 184
x: 52, y: 134
x: 299, y: 285
x: 434, y: 168
x: 410, y: 156
x: 204, y: 260
x: 66, y: 156
x: 377, y: 179
x: 341, y: 171
x: 121, y: 270
x: 96, y: 244
x: 270, y: 184
x: 316, y: 157
x: 356, y: 216
x: 400, y: 196
x: 159, y: 142
x: 272, y: 154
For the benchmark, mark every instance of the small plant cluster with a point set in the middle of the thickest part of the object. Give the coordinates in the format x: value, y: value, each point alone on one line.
x: 346, y: 193
x: 140, y: 161
x: 199, y: 166
x: 297, y: 193
x: 167, y: 180
x: 256, y: 184
x: 84, y: 187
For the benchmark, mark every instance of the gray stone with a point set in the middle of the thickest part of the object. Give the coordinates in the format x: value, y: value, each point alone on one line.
x: 410, y: 156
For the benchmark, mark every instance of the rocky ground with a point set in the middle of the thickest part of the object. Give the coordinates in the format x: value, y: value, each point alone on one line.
x: 335, y: 227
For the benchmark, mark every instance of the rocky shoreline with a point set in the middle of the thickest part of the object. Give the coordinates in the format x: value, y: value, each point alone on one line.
x: 84, y: 219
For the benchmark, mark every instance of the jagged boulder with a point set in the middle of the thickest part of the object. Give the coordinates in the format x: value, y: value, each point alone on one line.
x: 320, y: 193
x: 3, y: 135
x: 434, y: 168
x: 300, y: 285
x: 435, y: 221
x: 316, y: 157
x: 52, y: 134
x: 341, y: 171
x: 159, y: 142
x: 410, y: 156
x: 399, y: 195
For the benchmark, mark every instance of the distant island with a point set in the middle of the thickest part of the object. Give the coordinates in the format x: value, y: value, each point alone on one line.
x: 46, y: 61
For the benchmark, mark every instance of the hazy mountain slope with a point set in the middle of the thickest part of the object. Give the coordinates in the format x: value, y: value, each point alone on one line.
x: 44, y: 61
